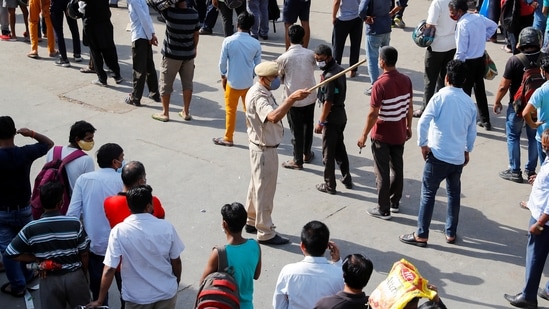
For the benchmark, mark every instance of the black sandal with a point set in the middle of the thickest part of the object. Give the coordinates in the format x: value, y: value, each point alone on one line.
x: 411, y: 240
x: 4, y: 289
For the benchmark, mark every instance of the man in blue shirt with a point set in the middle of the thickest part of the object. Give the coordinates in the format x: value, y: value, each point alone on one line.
x: 472, y: 32
x: 240, y: 53
x: 539, y: 102
x: 446, y: 134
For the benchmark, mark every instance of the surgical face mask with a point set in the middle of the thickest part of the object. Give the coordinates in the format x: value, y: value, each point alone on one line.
x: 275, y: 84
x: 86, y: 146
x: 321, y: 64
x: 119, y: 170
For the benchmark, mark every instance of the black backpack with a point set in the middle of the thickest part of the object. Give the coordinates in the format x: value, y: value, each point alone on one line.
x: 219, y: 289
x: 510, y: 13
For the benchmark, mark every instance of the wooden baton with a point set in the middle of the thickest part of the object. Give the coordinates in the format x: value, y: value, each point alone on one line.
x: 337, y: 75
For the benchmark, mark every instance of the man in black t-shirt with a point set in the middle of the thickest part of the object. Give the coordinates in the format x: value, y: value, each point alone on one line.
x: 529, y: 46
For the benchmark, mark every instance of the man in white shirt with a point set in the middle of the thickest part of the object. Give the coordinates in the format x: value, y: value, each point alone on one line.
x: 143, y: 38
x: 87, y: 199
x: 472, y: 32
x: 300, y: 285
x: 441, y: 51
x: 296, y: 67
x: 149, y: 249
x: 80, y: 138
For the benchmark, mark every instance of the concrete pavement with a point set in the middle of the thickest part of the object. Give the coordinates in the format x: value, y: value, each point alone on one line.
x: 194, y: 178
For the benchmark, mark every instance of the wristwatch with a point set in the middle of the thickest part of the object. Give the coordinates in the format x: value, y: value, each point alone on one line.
x: 539, y: 227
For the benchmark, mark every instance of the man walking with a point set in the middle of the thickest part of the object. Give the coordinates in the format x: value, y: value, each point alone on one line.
x: 446, y: 134
x: 148, y: 251
x: 537, y: 247
x: 143, y: 38
x: 441, y: 51
x: 265, y: 132
x: 240, y: 53
x: 332, y: 121
x: 390, y: 123
x: 472, y: 32
x: 88, y: 195
x: 529, y: 45
x: 296, y: 67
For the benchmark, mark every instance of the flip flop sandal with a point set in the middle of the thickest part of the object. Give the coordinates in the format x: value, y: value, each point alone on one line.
x: 160, y: 117
x: 4, y: 289
x: 33, y: 55
x: 187, y: 117
x: 220, y: 141
x: 411, y: 240
x: 450, y: 240
x: 524, y: 205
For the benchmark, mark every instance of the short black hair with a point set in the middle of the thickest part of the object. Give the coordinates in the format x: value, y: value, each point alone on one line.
x: 107, y: 153
x: 459, y: 5
x: 324, y: 50
x: 138, y: 198
x: 132, y: 173
x: 389, y: 55
x: 51, y: 193
x: 235, y: 215
x: 315, y: 236
x: 357, y: 271
x: 7, y: 127
x: 245, y: 21
x: 296, y: 33
x: 456, y: 71
x: 544, y: 63
x: 80, y: 129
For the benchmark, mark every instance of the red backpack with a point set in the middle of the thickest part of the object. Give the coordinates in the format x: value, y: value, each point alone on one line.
x: 531, y: 80
x: 53, y: 171
x: 219, y: 289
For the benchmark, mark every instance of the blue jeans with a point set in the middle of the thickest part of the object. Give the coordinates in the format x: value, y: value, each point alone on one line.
x: 434, y: 172
x: 11, y: 222
x: 541, y: 153
x: 537, y: 250
x: 373, y: 44
x: 539, y: 19
x: 514, y: 125
x: 260, y: 9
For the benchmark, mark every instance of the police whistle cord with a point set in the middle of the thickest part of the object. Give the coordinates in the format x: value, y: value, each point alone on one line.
x: 337, y: 75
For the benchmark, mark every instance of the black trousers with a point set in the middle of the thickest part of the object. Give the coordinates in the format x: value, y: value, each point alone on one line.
x: 57, y: 23
x: 143, y: 69
x: 342, y: 29
x: 99, y: 38
x: 227, y: 16
x: 301, y: 120
x: 334, y: 151
x: 389, y: 189
x: 435, y: 71
x: 475, y: 79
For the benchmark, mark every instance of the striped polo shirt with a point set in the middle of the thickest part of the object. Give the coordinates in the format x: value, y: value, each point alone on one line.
x: 181, y: 25
x: 53, y: 237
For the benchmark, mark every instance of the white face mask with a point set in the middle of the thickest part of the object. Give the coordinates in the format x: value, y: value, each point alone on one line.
x: 321, y: 64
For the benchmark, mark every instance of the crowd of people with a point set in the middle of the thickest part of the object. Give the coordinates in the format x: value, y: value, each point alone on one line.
x: 112, y: 228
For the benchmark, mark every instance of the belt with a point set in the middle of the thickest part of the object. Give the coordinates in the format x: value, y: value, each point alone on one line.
x: 13, y: 208
x: 264, y: 146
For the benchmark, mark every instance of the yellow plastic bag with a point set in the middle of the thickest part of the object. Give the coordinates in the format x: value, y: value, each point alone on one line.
x: 403, y: 284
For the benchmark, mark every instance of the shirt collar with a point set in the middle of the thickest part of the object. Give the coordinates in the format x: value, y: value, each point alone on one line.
x: 315, y: 259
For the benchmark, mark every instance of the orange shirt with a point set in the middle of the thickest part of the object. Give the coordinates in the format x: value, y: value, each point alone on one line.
x: 116, y: 208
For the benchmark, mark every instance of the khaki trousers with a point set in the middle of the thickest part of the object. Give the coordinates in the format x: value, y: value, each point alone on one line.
x: 259, y: 205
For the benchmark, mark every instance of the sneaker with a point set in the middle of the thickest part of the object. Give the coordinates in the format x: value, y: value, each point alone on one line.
x: 368, y: 91
x: 155, y: 97
x: 206, y: 31
x: 395, y: 207
x: 118, y: 79
x: 528, y: 173
x: 130, y: 101
x: 512, y: 176
x: 99, y: 83
x: 374, y: 212
x: 63, y: 63
x: 77, y: 58
x: 399, y: 22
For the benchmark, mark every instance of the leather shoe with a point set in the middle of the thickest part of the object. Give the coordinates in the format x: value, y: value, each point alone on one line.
x: 250, y: 229
x: 275, y: 241
x: 543, y: 294
x: 486, y: 125
x: 520, y: 302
